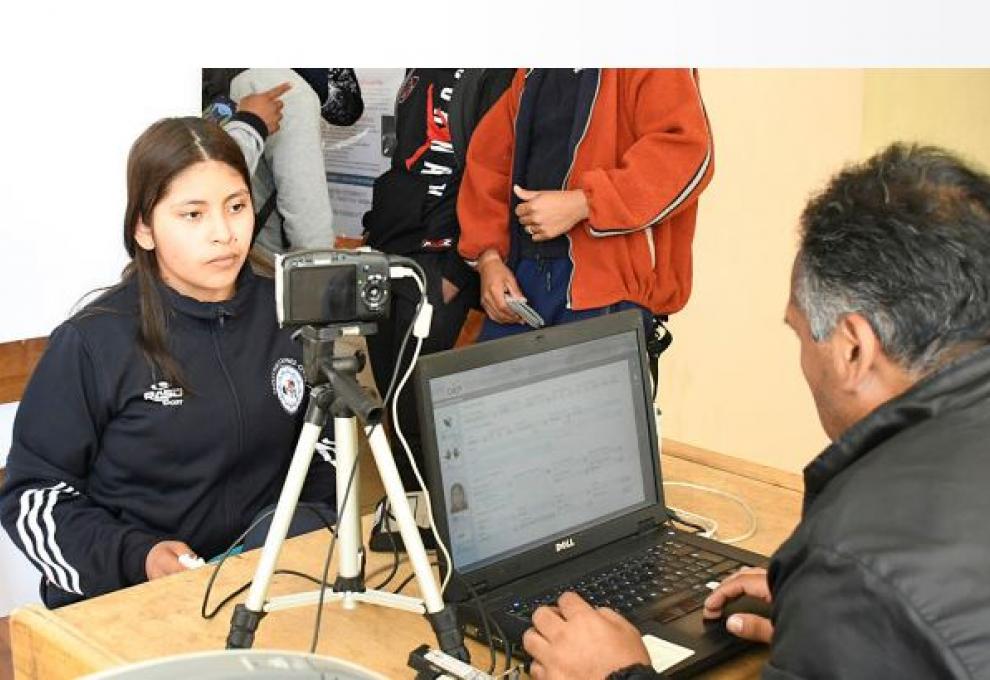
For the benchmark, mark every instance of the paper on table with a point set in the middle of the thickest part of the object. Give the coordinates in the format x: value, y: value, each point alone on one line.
x: 664, y: 654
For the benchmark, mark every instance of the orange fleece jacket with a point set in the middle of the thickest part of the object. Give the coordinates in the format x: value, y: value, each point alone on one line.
x: 644, y: 159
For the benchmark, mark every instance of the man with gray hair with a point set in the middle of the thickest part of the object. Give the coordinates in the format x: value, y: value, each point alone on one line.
x: 886, y: 575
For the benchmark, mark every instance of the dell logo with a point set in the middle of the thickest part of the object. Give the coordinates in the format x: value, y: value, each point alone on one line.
x: 566, y: 544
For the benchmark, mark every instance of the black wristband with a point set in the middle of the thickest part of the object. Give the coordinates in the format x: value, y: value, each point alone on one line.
x: 254, y: 121
x: 639, y: 671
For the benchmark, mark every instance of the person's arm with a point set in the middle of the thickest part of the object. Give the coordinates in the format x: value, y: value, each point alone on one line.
x: 835, y: 618
x: 485, y: 190
x: 258, y: 116
x: 249, y: 133
x: 295, y: 156
x: 79, y: 546
x: 575, y: 641
x: 669, y: 164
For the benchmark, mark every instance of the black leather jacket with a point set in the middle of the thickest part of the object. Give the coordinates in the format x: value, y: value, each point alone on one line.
x: 888, y: 574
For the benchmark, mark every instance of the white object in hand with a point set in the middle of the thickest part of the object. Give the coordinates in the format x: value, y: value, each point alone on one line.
x: 190, y: 562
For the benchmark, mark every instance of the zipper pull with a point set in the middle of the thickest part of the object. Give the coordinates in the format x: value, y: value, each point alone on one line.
x: 221, y: 315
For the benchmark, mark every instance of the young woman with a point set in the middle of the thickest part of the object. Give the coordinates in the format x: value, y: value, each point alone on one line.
x: 163, y: 416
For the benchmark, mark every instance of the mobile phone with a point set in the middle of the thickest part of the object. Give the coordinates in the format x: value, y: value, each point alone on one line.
x: 528, y: 314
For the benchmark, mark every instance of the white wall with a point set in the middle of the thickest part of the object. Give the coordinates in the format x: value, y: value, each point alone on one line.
x: 62, y: 182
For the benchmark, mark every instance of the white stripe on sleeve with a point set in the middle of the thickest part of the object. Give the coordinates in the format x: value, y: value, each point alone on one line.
x: 39, y: 542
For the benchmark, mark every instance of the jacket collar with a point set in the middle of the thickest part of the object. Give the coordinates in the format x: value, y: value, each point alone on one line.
x: 960, y: 384
x: 210, y: 311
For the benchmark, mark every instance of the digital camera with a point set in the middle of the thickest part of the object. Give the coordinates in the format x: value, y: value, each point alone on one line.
x: 331, y: 286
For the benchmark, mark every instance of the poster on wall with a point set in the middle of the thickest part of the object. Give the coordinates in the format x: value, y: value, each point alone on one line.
x: 357, y: 154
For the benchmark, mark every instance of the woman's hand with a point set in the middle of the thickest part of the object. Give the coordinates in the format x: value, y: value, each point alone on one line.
x: 163, y: 559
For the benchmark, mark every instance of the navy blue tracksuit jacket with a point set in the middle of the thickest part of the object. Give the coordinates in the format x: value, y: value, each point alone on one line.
x: 108, y: 458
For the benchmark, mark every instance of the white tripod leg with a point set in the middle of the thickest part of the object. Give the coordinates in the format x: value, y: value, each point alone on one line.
x: 428, y: 588
x: 348, y: 513
x: 294, y: 481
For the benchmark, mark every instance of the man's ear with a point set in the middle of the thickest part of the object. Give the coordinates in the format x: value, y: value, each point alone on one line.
x: 855, y: 350
x: 143, y: 236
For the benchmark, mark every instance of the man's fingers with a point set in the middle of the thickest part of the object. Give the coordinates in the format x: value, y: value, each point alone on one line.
x: 750, y: 627
x: 512, y: 288
x: 613, y: 616
x: 571, y: 605
x: 278, y: 90
x: 736, y: 586
x: 547, y: 622
x: 537, y: 671
x: 535, y: 644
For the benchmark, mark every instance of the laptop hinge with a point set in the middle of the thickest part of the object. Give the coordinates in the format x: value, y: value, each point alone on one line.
x: 647, y: 526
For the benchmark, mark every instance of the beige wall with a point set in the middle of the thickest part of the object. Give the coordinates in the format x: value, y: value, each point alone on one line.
x: 947, y: 107
x: 731, y: 381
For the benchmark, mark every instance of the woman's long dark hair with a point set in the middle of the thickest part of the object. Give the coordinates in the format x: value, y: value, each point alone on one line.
x: 164, y: 150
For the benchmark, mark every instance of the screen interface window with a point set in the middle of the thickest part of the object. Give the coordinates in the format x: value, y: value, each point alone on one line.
x: 537, y: 447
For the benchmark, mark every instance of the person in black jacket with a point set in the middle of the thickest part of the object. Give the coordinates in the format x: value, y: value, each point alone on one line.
x: 886, y: 575
x: 414, y: 213
x: 162, y: 417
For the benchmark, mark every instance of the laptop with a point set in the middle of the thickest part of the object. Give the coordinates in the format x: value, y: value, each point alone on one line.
x: 541, y: 457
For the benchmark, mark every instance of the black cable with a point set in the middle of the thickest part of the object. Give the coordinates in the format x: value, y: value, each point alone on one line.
x: 227, y: 553
x: 405, y: 261
x: 485, y: 619
x: 242, y: 588
x: 409, y: 579
x: 395, y: 547
x: 330, y: 549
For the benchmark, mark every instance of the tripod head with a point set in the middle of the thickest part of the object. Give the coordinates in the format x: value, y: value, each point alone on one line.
x: 330, y: 376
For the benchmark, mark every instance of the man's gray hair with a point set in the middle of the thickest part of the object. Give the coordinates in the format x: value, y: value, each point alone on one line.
x: 903, y: 240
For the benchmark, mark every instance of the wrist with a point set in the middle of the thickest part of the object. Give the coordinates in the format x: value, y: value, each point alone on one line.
x: 256, y: 122
x: 639, y: 671
x: 487, y: 258
x: 580, y: 202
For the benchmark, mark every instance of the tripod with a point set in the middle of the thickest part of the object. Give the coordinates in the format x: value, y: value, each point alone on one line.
x: 334, y: 389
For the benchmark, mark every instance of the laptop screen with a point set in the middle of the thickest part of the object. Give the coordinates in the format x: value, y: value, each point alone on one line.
x: 539, y: 446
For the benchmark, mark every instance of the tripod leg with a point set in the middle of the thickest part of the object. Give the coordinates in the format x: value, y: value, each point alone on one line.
x: 441, y: 618
x: 349, y: 575
x: 248, y: 615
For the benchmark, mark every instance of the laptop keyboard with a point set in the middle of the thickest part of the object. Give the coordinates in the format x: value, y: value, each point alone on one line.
x: 663, y: 582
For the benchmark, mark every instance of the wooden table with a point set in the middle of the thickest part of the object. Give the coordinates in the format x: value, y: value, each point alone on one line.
x: 161, y: 618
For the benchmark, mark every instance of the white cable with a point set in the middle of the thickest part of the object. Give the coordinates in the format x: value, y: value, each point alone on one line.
x: 397, y: 272
x: 709, y: 525
x: 724, y: 494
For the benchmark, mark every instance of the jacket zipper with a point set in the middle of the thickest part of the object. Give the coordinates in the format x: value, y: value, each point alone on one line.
x: 567, y: 177
x: 215, y: 332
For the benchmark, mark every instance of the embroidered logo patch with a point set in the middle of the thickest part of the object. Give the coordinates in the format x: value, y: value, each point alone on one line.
x: 288, y: 384
x: 164, y: 394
